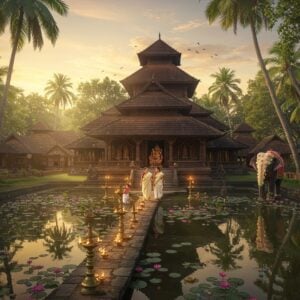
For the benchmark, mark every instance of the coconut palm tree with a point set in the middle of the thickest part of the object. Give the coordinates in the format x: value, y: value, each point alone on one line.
x: 225, y: 90
x: 58, y: 91
x: 251, y: 13
x: 28, y: 20
x: 285, y: 66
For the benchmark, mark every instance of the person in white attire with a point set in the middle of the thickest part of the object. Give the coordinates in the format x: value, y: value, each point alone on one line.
x: 146, y: 184
x: 158, y: 183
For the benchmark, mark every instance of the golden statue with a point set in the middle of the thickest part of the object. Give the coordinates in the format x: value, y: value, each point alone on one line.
x: 156, y: 157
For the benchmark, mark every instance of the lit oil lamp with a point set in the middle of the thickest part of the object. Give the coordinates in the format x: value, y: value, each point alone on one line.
x: 103, y: 252
x: 107, y: 178
x: 190, y: 186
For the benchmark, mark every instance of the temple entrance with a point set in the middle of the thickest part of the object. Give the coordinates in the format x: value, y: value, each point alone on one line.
x: 156, y: 153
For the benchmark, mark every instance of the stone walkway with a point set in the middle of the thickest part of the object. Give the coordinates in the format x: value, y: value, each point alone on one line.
x: 118, y: 267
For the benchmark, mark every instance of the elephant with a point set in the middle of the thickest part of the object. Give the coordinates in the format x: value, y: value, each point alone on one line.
x: 269, y: 167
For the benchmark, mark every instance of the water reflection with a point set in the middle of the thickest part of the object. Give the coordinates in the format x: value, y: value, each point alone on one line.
x: 256, y: 243
x: 227, y: 250
x: 57, y: 239
x: 37, y: 238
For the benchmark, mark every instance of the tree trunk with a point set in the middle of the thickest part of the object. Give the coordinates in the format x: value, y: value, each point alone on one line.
x: 275, y: 101
x: 294, y: 81
x: 10, y: 68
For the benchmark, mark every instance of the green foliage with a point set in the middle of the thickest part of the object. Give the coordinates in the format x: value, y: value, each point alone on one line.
x: 284, y: 15
x: 33, y: 17
x: 259, y: 111
x: 94, y: 97
x: 24, y: 111
x: 225, y: 90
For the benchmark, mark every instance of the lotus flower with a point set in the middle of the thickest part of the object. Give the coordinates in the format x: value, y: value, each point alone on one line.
x: 29, y: 262
x: 37, y: 288
x: 224, y: 284
x: 156, y: 266
x: 57, y: 270
x: 222, y: 274
x: 139, y: 269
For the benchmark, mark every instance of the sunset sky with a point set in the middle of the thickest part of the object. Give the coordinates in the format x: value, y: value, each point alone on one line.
x: 101, y: 38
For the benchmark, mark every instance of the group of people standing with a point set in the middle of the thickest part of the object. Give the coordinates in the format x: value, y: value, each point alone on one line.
x: 152, y: 183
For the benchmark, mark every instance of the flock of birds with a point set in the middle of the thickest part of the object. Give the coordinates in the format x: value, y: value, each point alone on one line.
x: 188, y: 49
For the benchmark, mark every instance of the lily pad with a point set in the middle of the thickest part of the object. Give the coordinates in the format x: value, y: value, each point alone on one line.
x: 149, y: 270
x: 163, y: 269
x: 212, y: 279
x: 171, y: 251
x: 138, y: 284
x: 153, y: 254
x: 236, y: 281
x: 24, y: 281
x: 174, y: 275
x: 190, y: 296
x: 153, y: 260
x: 17, y: 269
x: 176, y: 245
x: 144, y: 274
x: 68, y: 267
x: 155, y: 280
x: 244, y: 295
x: 186, y: 244
x: 39, y: 295
x: 35, y: 278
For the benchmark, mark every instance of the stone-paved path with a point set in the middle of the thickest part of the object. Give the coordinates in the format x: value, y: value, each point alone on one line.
x: 118, y: 267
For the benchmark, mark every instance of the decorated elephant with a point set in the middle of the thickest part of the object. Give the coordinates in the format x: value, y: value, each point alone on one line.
x: 270, y: 168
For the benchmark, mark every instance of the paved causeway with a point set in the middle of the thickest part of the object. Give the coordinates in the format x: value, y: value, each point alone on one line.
x: 118, y: 267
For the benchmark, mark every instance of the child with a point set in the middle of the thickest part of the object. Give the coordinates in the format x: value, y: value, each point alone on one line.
x: 126, y: 192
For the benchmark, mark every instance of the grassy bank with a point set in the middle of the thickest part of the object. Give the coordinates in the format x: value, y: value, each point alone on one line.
x: 14, y: 183
x: 251, y: 177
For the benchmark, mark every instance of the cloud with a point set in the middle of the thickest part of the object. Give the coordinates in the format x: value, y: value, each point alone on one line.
x: 96, y: 10
x: 190, y: 25
x: 159, y: 15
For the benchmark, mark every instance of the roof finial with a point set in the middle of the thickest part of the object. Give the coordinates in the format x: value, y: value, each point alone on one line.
x: 159, y: 36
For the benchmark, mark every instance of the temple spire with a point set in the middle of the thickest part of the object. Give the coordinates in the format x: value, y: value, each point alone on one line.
x: 159, y: 36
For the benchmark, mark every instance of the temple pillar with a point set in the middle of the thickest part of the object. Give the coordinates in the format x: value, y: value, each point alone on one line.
x: 137, y: 151
x: 108, y: 150
x: 202, y: 151
x: 171, y: 143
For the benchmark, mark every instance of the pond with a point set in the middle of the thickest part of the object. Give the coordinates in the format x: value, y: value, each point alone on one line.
x: 39, y: 236
x: 216, y: 248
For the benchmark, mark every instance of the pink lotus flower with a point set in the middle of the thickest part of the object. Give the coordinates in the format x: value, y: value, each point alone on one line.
x: 139, y: 269
x: 224, y: 284
x: 57, y: 270
x: 37, y: 288
x: 156, y: 266
x: 184, y: 221
x: 222, y: 274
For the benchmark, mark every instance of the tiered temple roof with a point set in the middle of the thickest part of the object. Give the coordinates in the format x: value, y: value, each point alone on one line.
x: 159, y: 102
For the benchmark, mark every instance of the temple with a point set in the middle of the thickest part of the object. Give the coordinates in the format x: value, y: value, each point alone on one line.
x: 157, y: 126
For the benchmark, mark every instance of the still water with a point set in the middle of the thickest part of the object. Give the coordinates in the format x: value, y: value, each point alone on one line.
x: 215, y: 248
x: 39, y: 236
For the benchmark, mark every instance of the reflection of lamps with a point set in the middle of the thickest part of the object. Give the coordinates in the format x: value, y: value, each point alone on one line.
x: 190, y: 186
x: 90, y: 242
x: 120, y: 238
x: 105, y: 197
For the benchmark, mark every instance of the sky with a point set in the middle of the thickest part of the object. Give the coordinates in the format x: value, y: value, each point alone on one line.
x: 101, y: 38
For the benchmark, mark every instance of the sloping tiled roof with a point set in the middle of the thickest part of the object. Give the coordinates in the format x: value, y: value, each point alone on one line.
x: 273, y: 142
x: 214, y: 123
x: 87, y: 142
x: 243, y: 127
x: 163, y: 73
x: 155, y: 125
x: 155, y: 96
x: 159, y: 49
x: 225, y: 142
x: 100, y: 122
x: 246, y: 138
x: 41, y: 126
x: 40, y: 142
x: 7, y: 148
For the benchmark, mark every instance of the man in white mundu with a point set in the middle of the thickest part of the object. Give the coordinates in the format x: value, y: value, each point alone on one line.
x: 146, y: 183
x: 158, y: 183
